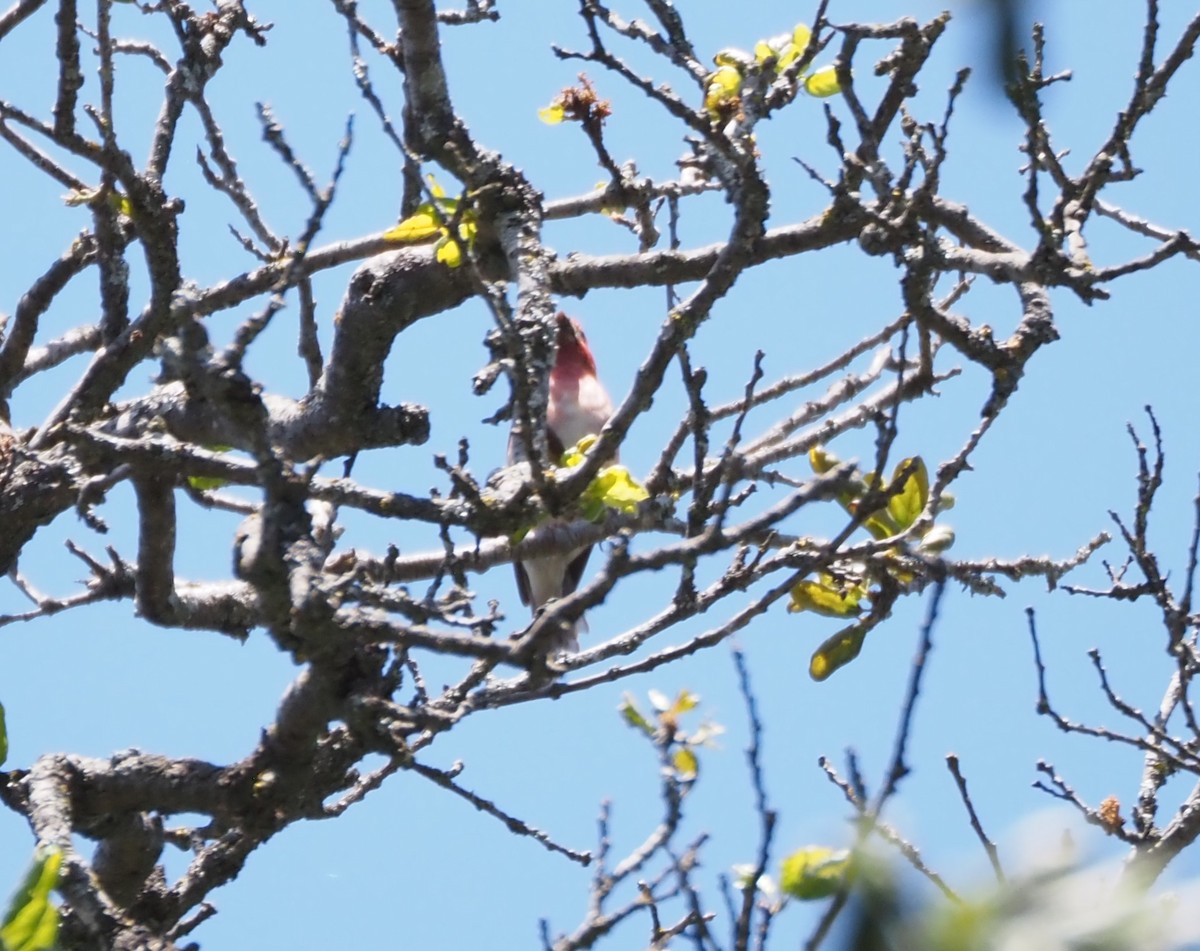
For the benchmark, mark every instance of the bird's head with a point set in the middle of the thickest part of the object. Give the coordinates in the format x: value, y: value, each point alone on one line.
x: 574, y: 357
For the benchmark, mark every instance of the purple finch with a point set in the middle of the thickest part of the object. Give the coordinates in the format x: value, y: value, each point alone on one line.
x: 578, y: 406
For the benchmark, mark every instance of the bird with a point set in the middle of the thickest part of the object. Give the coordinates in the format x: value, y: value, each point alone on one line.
x: 578, y: 406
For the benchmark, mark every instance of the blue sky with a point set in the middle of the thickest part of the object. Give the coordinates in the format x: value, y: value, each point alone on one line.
x: 410, y: 866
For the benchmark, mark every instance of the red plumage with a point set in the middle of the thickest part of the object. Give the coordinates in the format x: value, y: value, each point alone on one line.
x: 578, y: 406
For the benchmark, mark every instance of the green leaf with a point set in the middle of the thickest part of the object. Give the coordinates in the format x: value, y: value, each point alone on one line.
x: 880, y: 524
x: 421, y: 225
x: 902, y: 509
x: 814, y: 872
x: 633, y: 716
x: 906, y: 506
x: 722, y: 88
x: 3, y: 737
x: 436, y: 190
x: 763, y: 51
x: 781, y: 49
x: 31, y: 922
x: 837, y: 651
x: 789, y: 55
x: 430, y: 221
x: 687, y: 766
x: 822, y: 82
x: 573, y: 455
x: 116, y: 200
x: 204, y: 483
x: 613, y: 488
x: 821, y: 460
x: 552, y: 114
x: 685, y: 701
x: 827, y: 596
x: 800, y: 37
x: 449, y: 252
